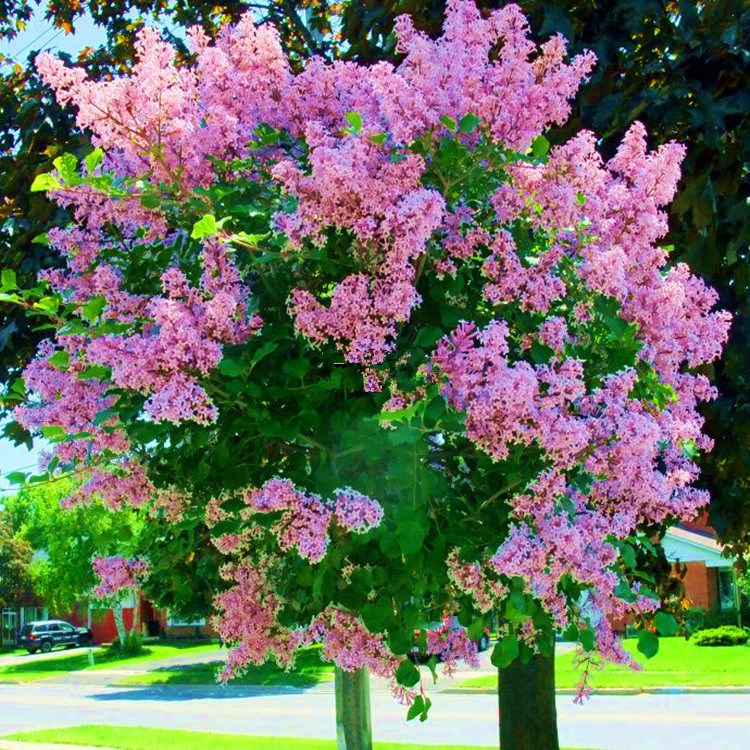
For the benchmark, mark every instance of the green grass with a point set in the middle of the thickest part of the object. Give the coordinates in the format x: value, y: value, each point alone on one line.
x: 33, y: 669
x: 678, y: 663
x: 309, y: 670
x: 137, y: 738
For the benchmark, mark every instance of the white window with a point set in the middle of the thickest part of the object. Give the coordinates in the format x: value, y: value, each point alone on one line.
x: 174, y: 622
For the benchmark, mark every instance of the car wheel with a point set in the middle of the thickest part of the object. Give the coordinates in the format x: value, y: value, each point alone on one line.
x: 31, y: 650
x: 46, y: 647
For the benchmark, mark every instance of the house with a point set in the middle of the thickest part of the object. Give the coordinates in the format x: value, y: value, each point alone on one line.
x: 710, y: 580
x: 12, y: 619
x: 151, y: 621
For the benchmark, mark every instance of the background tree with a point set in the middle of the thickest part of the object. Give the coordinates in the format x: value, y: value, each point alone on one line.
x: 15, y: 564
x: 68, y: 540
x: 183, y: 576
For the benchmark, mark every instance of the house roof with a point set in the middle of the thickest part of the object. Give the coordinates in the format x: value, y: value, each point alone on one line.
x: 686, y: 545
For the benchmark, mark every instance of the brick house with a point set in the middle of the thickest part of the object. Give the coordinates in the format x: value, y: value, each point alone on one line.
x: 710, y: 580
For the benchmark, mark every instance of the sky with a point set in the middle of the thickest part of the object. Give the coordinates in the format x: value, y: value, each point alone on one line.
x: 40, y: 35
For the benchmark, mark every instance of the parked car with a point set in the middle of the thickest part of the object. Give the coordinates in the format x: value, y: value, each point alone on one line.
x: 44, y: 635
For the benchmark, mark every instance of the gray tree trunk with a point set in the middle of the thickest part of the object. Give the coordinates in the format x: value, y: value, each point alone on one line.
x: 526, y: 698
x: 353, y: 721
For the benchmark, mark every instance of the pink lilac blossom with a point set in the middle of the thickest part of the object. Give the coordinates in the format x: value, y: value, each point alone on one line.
x: 305, y: 519
x: 356, y: 512
x: 170, y: 503
x: 451, y: 644
x: 471, y: 578
x: 117, y: 574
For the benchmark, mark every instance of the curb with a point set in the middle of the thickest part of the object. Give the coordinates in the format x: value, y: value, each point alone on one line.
x: 687, y: 690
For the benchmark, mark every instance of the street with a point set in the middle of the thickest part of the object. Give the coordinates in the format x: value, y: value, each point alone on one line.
x: 641, y: 722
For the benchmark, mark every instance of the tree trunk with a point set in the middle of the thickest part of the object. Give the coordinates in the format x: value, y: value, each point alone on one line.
x: 353, y: 723
x: 119, y: 622
x: 526, y: 698
x: 136, y: 614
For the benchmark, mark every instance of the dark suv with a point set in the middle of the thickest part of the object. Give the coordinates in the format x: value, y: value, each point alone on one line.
x: 44, y: 635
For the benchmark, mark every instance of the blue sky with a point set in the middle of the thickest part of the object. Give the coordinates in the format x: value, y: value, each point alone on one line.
x: 14, y: 458
x: 40, y: 35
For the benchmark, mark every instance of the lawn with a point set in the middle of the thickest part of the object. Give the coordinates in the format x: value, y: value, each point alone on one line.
x: 309, y: 670
x: 136, y: 738
x: 678, y: 663
x: 33, y: 669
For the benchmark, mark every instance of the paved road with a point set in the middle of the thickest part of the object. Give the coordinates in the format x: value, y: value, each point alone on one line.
x: 644, y: 722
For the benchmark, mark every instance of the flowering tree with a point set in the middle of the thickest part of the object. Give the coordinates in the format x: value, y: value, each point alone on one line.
x: 119, y: 578
x: 409, y: 361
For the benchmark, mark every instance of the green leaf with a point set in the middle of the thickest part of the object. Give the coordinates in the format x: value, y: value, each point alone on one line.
x: 665, y: 623
x: 476, y: 630
x: 410, y: 537
x: 505, y: 651
x: 45, y: 182
x: 539, y: 147
x: 205, y: 227
x: 407, y: 674
x: 92, y: 309
x: 432, y: 663
x: 151, y: 200
x: 264, y: 351
x: 8, y: 279
x: 399, y: 642
x: 428, y: 336
x: 355, y: 121
x: 416, y: 708
x: 628, y: 556
x: 93, y: 160
x: 54, y: 433
x: 648, y: 643
x: 375, y: 616
x: 60, y: 360
x: 297, y: 368
x: 253, y: 240
x: 450, y: 123
x: 16, y: 477
x: 587, y: 639
x: 41, y: 239
x: 232, y: 368
x: 378, y: 138
x: 67, y: 167
x: 469, y: 123
x: 419, y: 707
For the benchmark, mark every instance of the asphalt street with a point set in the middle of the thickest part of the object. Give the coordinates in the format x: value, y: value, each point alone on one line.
x: 642, y: 722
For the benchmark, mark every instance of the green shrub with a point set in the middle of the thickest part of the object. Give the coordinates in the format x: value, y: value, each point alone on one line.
x: 695, y: 619
x: 133, y: 646
x: 726, y: 635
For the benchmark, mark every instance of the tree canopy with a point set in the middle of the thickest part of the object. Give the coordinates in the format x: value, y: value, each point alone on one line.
x: 408, y: 360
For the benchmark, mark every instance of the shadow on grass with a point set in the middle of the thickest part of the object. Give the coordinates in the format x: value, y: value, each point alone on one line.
x: 72, y: 663
x: 308, y: 671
